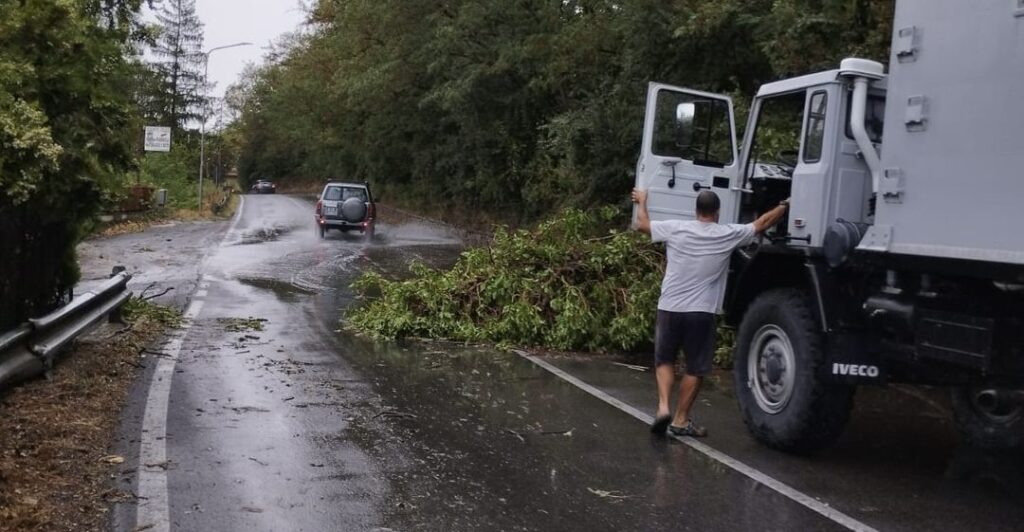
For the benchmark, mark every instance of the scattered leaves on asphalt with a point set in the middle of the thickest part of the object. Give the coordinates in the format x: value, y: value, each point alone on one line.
x: 242, y: 324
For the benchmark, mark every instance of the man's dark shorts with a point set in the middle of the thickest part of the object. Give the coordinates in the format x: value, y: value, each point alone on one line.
x: 694, y: 332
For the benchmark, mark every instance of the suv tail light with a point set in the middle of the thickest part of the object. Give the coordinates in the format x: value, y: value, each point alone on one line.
x: 372, y: 212
x: 319, y: 207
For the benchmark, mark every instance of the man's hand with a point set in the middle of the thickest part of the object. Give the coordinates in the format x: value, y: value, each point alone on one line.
x: 772, y: 217
x: 643, y: 220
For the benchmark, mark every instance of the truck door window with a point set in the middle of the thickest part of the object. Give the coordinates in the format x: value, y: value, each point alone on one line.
x: 692, y: 128
x: 776, y: 143
x: 815, y: 136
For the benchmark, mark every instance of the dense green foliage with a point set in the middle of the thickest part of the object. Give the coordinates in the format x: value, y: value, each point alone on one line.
x: 518, y: 108
x: 569, y: 284
x: 65, y: 137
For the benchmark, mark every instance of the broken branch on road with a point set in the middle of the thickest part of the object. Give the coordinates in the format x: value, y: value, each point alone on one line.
x: 154, y: 296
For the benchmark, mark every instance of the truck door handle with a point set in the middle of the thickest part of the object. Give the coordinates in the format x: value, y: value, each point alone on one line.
x: 697, y: 187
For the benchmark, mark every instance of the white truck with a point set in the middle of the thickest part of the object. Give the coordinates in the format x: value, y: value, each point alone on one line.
x: 902, y: 256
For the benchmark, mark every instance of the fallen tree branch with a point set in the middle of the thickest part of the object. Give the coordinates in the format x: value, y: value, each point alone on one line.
x: 155, y: 295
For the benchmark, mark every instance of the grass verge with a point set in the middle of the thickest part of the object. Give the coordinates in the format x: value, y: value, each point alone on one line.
x: 56, y: 472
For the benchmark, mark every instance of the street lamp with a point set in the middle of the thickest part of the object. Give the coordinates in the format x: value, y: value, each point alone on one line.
x: 202, y: 128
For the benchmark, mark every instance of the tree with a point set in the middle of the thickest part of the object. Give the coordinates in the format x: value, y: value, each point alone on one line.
x: 179, y: 63
x: 66, y: 137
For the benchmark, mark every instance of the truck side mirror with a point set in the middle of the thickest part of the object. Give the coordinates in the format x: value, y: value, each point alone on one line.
x: 684, y: 124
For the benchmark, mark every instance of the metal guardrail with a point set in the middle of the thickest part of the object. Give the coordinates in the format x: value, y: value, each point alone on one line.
x: 32, y: 348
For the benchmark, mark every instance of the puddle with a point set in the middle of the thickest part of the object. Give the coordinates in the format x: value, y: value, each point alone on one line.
x: 264, y: 234
x: 283, y: 290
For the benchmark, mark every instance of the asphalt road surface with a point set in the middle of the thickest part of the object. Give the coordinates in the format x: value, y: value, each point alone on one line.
x: 300, y: 426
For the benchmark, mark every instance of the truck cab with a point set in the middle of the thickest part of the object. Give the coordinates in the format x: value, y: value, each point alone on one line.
x: 799, y: 144
x: 901, y: 258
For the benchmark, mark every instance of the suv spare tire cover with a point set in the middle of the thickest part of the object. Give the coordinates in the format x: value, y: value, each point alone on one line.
x: 353, y: 210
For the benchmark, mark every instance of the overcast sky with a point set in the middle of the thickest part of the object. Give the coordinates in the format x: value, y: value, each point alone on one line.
x: 230, y: 21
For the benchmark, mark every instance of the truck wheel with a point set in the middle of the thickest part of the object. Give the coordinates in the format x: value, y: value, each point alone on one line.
x: 788, y: 400
x: 320, y: 230
x: 987, y: 422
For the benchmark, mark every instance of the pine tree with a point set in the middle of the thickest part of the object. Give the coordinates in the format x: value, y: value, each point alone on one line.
x: 179, y: 62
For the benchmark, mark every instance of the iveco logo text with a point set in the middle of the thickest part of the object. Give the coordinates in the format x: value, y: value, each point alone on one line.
x: 854, y: 370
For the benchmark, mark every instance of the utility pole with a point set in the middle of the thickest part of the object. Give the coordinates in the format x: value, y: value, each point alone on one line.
x: 202, y: 128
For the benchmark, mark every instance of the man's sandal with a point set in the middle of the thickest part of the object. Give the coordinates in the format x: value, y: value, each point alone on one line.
x: 689, y: 429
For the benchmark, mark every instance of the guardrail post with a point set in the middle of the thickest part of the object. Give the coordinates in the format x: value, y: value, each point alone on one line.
x: 115, y: 315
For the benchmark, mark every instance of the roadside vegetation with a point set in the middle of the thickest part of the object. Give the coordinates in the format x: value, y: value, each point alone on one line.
x: 65, y: 138
x: 75, y: 93
x: 571, y: 283
x: 56, y: 435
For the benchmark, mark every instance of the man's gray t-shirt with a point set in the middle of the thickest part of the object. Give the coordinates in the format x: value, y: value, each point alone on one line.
x: 698, y: 259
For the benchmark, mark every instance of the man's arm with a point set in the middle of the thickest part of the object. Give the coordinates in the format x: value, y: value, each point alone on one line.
x: 770, y: 218
x: 643, y: 220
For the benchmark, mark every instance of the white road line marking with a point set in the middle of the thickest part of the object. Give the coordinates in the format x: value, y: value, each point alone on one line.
x: 783, y: 489
x: 154, y: 509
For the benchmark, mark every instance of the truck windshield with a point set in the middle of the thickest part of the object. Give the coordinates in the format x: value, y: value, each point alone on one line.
x: 874, y: 118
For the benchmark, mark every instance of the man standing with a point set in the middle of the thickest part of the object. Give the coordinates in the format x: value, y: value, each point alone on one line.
x: 698, y: 254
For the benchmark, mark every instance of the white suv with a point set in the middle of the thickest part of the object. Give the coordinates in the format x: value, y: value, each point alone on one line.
x: 346, y: 207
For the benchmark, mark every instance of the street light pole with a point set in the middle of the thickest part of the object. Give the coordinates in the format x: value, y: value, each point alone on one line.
x: 202, y: 127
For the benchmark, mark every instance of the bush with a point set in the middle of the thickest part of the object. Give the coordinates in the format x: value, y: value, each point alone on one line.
x: 568, y: 284
x: 176, y: 171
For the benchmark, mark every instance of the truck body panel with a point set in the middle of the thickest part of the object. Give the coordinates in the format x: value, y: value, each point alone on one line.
x: 952, y: 162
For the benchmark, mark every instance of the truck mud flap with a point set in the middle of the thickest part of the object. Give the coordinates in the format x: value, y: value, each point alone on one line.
x: 853, y: 358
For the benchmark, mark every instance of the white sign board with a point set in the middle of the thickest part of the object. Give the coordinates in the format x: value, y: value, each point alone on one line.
x: 158, y: 138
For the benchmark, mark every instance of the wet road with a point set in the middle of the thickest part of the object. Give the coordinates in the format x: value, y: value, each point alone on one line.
x: 299, y: 427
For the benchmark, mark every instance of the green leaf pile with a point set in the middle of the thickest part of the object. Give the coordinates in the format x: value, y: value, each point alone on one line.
x: 568, y: 284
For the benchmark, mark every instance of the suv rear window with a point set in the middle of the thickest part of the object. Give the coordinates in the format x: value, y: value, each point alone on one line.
x: 344, y: 193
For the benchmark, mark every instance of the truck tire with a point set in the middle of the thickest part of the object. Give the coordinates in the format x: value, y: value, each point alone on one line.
x: 995, y: 427
x: 788, y: 400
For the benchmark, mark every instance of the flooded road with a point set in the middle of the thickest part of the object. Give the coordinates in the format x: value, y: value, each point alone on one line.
x: 262, y: 415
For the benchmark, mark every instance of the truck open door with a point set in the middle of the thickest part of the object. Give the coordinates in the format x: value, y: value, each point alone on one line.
x: 689, y: 145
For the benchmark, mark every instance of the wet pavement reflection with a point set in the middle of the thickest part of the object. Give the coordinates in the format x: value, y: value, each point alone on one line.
x: 318, y: 429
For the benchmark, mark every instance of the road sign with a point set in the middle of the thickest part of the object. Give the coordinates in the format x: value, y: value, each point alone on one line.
x: 158, y: 138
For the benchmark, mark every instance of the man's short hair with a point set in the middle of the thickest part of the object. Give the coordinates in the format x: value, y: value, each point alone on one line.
x: 708, y: 203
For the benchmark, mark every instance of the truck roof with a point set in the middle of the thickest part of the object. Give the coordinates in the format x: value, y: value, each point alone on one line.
x: 810, y: 80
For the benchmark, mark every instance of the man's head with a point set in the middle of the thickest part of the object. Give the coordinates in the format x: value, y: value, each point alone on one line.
x: 708, y: 205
